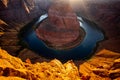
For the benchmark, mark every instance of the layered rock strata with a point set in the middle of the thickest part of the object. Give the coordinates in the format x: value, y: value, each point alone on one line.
x: 61, y: 30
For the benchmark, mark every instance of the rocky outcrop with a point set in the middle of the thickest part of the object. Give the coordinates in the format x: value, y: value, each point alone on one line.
x: 103, y: 66
x: 13, y: 68
x: 61, y: 30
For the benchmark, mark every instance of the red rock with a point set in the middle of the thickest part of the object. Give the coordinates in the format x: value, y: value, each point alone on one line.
x: 61, y: 30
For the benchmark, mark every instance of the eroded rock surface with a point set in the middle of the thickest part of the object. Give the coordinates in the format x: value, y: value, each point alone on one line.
x: 103, y: 66
x: 13, y: 68
x: 61, y: 30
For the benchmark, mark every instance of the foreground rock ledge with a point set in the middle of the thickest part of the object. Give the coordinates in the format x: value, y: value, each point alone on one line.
x: 108, y: 68
x: 12, y: 68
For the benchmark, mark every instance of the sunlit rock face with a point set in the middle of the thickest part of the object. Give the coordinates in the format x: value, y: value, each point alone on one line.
x: 38, y: 71
x: 61, y: 30
x: 107, y: 69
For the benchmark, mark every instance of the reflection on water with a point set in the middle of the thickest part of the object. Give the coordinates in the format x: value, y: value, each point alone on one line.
x: 82, y: 51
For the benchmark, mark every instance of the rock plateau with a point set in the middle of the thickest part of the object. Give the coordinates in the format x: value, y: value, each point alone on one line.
x: 61, y: 30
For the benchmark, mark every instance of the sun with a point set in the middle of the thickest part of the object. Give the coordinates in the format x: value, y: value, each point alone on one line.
x: 75, y: 1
